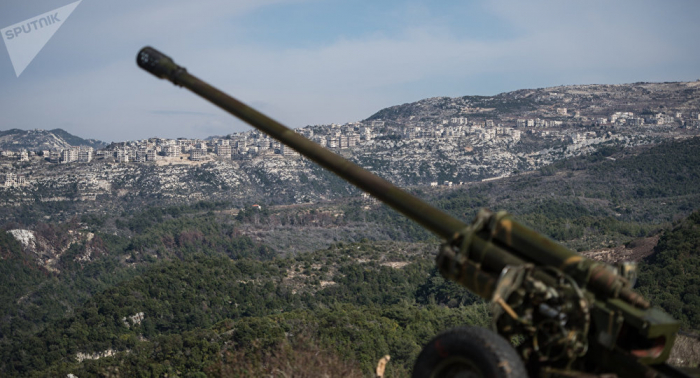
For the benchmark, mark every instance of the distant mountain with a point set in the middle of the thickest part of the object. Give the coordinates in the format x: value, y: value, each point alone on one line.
x: 37, y: 139
x: 595, y: 100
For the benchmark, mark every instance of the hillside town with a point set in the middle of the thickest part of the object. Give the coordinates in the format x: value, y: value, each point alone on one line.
x: 254, y: 143
x: 438, y: 141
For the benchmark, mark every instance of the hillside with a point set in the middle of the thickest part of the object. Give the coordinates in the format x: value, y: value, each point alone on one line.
x: 39, y: 140
x: 213, y: 287
x: 671, y: 275
x: 590, y: 100
x: 168, y: 268
x: 432, y: 142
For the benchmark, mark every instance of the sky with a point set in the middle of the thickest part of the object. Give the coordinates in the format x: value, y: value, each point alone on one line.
x: 307, y: 62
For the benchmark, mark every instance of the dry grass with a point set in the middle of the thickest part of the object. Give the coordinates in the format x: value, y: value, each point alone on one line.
x: 300, y: 359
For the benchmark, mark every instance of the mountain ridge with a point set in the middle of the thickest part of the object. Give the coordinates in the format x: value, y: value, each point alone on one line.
x: 637, y: 96
x: 505, y: 105
x: 39, y: 139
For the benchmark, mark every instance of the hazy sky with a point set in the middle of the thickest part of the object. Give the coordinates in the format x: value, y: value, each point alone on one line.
x: 322, y: 61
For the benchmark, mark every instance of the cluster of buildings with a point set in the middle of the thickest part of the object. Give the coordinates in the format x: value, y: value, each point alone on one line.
x: 539, y: 123
x: 22, y: 155
x: 582, y: 137
x: 80, y: 154
x: 255, y: 143
x: 249, y: 143
x: 629, y: 119
x: 159, y: 148
x: 446, y: 183
x: 351, y: 135
x: 12, y: 180
x: 617, y: 119
x: 486, y: 130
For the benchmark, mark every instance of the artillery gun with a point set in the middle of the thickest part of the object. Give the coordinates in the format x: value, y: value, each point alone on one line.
x: 569, y: 316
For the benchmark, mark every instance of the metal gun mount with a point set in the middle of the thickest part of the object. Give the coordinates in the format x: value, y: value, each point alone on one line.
x: 572, y: 316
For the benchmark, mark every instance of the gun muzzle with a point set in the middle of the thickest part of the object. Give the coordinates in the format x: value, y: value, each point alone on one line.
x: 159, y: 64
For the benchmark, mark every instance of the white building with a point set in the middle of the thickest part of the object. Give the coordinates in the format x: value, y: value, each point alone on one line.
x: 635, y: 121
x: 223, y: 150
x: 332, y: 143
x: 10, y: 179
x: 620, y: 115
x: 122, y: 156
x: 85, y: 154
x: 70, y: 155
x: 13, y: 180
x: 171, y: 151
x: 198, y: 154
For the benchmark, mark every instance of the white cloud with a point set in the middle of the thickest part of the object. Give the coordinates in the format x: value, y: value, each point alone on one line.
x: 349, y: 79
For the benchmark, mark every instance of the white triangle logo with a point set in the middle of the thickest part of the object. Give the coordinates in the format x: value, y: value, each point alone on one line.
x: 25, y: 39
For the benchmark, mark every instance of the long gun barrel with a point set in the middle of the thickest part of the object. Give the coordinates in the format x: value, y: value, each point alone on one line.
x: 540, y: 249
x: 439, y: 222
x: 581, y: 309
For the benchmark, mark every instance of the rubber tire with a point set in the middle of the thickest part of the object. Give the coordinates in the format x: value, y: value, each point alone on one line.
x: 491, y: 354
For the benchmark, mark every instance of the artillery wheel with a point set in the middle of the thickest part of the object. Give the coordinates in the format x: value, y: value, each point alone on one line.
x: 468, y: 352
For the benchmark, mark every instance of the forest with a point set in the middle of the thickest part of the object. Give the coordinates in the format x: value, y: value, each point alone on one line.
x: 211, y: 289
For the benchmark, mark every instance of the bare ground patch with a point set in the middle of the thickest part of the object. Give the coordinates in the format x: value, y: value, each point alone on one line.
x: 635, y: 250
